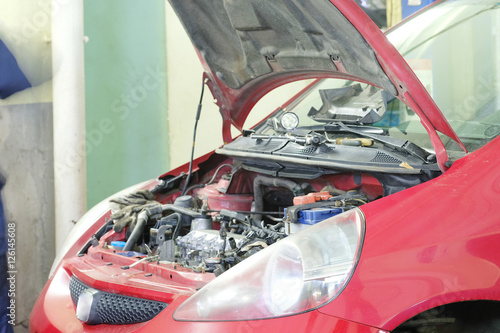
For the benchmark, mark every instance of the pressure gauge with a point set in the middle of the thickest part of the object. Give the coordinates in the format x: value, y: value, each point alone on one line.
x: 290, y: 121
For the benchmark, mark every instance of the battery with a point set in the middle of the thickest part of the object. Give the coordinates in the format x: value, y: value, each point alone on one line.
x: 310, y: 217
x: 315, y: 215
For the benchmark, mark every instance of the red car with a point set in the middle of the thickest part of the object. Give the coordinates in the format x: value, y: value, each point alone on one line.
x: 366, y: 203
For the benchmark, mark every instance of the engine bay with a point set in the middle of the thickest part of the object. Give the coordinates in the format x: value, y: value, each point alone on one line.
x: 231, y: 212
x: 326, y: 153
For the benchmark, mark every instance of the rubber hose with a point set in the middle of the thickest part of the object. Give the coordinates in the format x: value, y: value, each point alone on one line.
x: 178, y: 226
x: 260, y: 181
x: 137, y: 232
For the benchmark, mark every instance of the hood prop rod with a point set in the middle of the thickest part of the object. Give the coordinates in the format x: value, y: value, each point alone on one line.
x: 198, y: 112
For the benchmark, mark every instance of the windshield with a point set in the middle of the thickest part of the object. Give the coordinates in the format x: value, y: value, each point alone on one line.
x: 453, y: 48
x: 356, y: 104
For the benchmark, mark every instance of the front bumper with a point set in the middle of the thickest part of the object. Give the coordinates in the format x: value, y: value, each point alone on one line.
x: 55, y: 311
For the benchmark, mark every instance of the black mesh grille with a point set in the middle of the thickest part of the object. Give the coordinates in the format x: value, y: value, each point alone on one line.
x: 384, y: 158
x: 309, y: 150
x: 75, y: 288
x: 312, y: 150
x: 118, y: 309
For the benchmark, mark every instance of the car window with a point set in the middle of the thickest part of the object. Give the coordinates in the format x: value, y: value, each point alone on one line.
x: 454, y: 49
x: 393, y: 116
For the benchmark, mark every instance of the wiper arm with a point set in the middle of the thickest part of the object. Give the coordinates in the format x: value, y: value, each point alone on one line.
x: 395, y: 143
x: 309, y: 139
x: 357, y: 129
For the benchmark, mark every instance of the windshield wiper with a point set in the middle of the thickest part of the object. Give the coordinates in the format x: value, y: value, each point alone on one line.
x: 395, y: 143
x: 309, y: 139
x: 376, y: 134
x: 357, y: 129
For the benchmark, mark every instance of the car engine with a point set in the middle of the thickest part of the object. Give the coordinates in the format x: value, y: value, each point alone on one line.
x: 233, y: 214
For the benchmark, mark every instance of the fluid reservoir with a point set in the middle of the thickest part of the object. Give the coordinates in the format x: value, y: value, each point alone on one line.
x: 217, y: 200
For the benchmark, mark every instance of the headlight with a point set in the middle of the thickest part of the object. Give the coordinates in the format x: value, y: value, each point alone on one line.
x: 86, y: 221
x: 297, y: 274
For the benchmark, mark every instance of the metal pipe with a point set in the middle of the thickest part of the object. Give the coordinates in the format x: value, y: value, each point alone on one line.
x: 181, y: 210
x: 68, y: 115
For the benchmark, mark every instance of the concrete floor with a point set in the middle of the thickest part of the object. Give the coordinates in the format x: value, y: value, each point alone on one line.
x: 22, y: 327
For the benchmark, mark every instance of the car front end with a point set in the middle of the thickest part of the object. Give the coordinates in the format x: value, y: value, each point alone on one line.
x: 367, y: 203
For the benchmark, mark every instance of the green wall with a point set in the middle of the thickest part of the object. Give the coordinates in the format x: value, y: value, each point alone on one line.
x: 125, y: 94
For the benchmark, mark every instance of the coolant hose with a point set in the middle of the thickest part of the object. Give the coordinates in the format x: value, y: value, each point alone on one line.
x: 142, y: 218
x: 258, y: 195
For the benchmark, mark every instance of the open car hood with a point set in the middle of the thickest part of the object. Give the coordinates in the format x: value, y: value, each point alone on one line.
x: 249, y: 47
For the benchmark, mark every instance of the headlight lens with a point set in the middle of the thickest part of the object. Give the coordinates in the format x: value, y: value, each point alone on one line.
x: 297, y: 274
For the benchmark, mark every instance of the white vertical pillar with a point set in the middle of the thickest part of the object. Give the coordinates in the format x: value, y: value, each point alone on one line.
x: 68, y: 115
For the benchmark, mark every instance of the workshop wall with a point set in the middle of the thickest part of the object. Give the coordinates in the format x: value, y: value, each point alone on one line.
x: 126, y: 88
x: 26, y: 156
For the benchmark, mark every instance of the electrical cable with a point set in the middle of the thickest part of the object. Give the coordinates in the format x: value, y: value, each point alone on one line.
x: 217, y: 171
x: 190, y: 188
